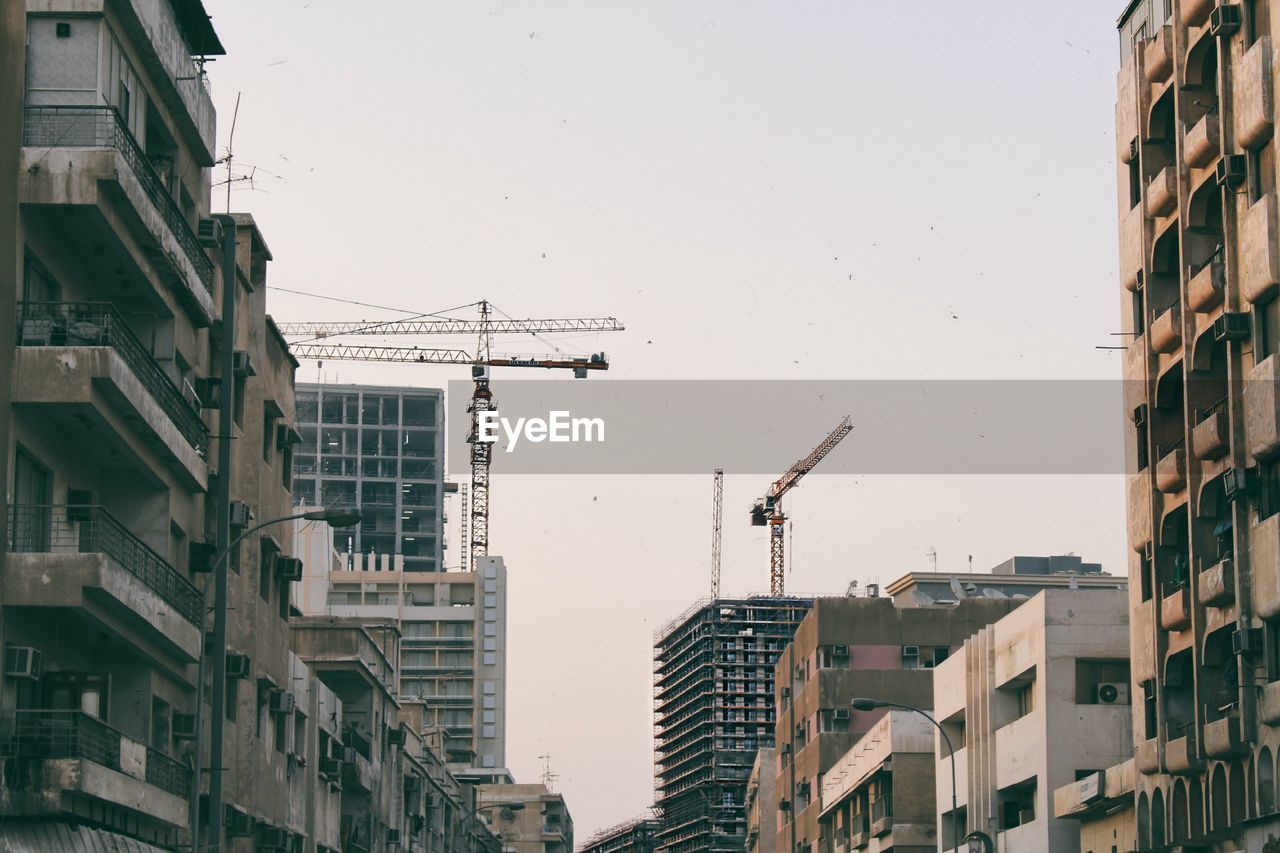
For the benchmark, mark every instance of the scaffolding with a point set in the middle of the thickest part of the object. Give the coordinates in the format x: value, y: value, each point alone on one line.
x: 633, y: 836
x: 713, y: 709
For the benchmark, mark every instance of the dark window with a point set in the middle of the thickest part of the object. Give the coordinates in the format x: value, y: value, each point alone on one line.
x: 1268, y: 489
x: 1135, y: 183
x: 37, y: 284
x: 268, y: 436
x: 266, y: 568
x: 160, y: 724
x: 1139, y: 301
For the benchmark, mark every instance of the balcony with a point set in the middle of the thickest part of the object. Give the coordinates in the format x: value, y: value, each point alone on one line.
x: 1265, y: 542
x: 1171, y: 470
x: 1205, y: 286
x: 1175, y: 608
x: 82, y: 558
x: 1262, y: 409
x: 860, y: 834
x: 1166, y: 330
x: 1216, y: 585
x: 75, y: 354
x: 1158, y: 56
x: 1202, y: 145
x: 881, y: 816
x: 1259, y: 251
x: 57, y: 751
x: 1162, y: 193
x: 1222, y: 737
x: 107, y: 155
x: 1254, y: 95
x: 1180, y: 755
x: 1269, y: 703
x: 1139, y: 504
x: 1147, y: 757
x: 1210, y: 438
x: 1196, y: 12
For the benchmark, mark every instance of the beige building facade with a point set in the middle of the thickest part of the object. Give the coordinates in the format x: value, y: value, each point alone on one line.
x: 1031, y: 703
x: 1199, y: 274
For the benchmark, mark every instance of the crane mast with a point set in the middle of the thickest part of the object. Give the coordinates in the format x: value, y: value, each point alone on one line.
x: 717, y: 512
x: 767, y: 511
x: 481, y: 452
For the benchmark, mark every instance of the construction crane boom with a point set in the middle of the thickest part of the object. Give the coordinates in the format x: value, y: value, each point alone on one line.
x: 481, y: 360
x: 717, y: 512
x: 326, y: 329
x: 768, y: 510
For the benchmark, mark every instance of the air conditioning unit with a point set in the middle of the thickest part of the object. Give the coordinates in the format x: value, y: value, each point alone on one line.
x: 348, y: 755
x: 910, y: 652
x: 331, y: 767
x: 241, y: 364
x: 433, y: 801
x: 396, y: 737
x: 272, y: 838
x: 1246, y: 641
x: 286, y: 435
x: 393, y: 836
x: 238, y: 823
x: 209, y: 233
x: 412, y: 783
x: 237, y: 666
x: 1113, y: 693
x: 1025, y: 817
x: 1133, y: 149
x: 1231, y: 326
x: 840, y: 651
x: 184, y: 726
x: 784, y: 805
x: 840, y: 714
x: 289, y: 568
x: 1237, y: 483
x: 803, y: 788
x: 1140, y: 414
x: 281, y: 702
x: 786, y: 693
x: 1225, y: 21
x: 23, y: 662
x: 1232, y: 171
x: 209, y: 390
x: 241, y: 515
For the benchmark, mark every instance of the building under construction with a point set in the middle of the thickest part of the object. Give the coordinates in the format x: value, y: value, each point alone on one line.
x: 638, y: 835
x: 713, y: 708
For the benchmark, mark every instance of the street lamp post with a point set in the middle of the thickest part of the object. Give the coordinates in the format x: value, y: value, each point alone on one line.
x: 511, y: 807
x: 218, y: 651
x: 871, y: 704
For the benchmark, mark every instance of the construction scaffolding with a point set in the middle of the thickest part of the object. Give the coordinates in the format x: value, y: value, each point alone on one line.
x: 713, y: 709
x: 637, y: 835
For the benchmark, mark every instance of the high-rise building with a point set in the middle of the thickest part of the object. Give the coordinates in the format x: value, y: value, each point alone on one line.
x: 1200, y: 277
x: 713, y: 709
x: 381, y: 449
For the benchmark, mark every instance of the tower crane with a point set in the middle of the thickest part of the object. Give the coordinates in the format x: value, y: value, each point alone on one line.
x: 315, y: 345
x: 717, y: 512
x: 768, y: 510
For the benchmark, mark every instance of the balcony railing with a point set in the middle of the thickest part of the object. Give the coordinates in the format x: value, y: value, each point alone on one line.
x: 58, y: 734
x: 102, y: 127
x: 168, y: 774
x: 97, y: 324
x: 90, y: 530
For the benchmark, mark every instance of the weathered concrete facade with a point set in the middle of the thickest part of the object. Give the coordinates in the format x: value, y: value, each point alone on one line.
x: 1199, y: 274
x: 1102, y: 804
x: 543, y: 825
x: 762, y: 802
x: 845, y: 648
x: 1031, y: 703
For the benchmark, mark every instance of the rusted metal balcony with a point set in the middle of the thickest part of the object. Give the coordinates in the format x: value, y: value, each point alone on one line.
x: 98, y: 324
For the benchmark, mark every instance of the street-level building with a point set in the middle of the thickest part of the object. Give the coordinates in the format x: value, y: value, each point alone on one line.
x: 879, y: 796
x: 1196, y: 179
x: 1102, y: 804
x: 1032, y: 702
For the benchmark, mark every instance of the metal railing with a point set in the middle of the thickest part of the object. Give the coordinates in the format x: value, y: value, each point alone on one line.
x: 882, y: 809
x: 59, y: 734
x: 168, y: 774
x: 98, y: 324
x: 91, y: 529
x: 102, y: 127
x: 1209, y: 411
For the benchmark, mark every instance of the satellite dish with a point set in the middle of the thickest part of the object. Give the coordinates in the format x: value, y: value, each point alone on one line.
x: 957, y: 589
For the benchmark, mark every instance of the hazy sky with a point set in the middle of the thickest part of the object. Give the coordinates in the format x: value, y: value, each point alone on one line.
x: 802, y: 190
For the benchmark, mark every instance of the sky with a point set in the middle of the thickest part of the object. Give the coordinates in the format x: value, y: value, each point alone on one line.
x: 783, y: 191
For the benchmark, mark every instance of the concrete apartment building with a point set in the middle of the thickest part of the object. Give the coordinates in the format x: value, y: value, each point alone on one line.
x: 633, y: 836
x: 1033, y: 702
x: 879, y: 796
x: 381, y: 449
x: 453, y: 648
x: 762, y: 800
x: 1102, y: 804
x: 844, y: 648
x: 541, y: 824
x: 1200, y: 273
x: 713, y: 710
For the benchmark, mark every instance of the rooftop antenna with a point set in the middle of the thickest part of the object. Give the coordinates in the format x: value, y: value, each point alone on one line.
x: 932, y: 554
x: 717, y: 513
x: 548, y: 778
x: 970, y: 564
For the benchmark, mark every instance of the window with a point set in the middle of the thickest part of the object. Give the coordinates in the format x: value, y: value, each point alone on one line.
x: 299, y: 733
x: 160, y: 721
x: 1091, y: 675
x: 266, y: 567
x: 1018, y: 804
x: 1026, y: 699
x: 281, y: 732
x: 1266, y: 318
x: 37, y: 284
x: 32, y: 494
x: 1257, y: 20
x: 1135, y: 181
x: 1268, y: 489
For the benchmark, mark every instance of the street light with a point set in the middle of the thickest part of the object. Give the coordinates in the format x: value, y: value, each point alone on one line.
x: 511, y: 807
x: 336, y: 517
x: 864, y: 704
